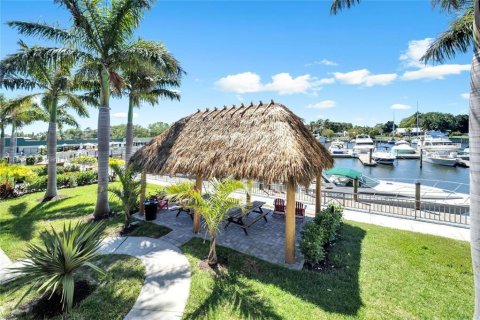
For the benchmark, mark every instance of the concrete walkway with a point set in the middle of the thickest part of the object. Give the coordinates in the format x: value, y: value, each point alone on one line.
x: 167, y: 282
x: 167, y: 276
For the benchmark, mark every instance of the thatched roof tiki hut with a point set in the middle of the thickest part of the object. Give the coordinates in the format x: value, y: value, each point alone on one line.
x: 263, y: 142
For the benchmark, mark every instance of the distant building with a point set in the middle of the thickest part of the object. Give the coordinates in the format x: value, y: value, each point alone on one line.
x: 409, y: 131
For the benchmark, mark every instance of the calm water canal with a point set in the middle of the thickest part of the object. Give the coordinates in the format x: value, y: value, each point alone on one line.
x: 410, y: 170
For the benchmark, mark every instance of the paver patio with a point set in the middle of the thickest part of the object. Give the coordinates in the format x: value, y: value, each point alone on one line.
x: 265, y: 240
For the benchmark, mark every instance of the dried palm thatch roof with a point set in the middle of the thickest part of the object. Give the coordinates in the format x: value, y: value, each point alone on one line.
x: 265, y: 142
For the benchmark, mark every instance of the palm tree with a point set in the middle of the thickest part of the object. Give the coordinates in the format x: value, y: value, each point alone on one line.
x: 57, y: 87
x: 145, y: 83
x: 99, y: 41
x: 3, y: 123
x: 463, y: 32
x: 212, y: 207
x: 129, y: 193
x: 20, y: 112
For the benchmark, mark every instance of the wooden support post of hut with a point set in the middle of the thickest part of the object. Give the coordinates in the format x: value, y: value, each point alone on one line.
x: 318, y: 194
x: 196, y: 214
x: 290, y: 223
x: 143, y: 187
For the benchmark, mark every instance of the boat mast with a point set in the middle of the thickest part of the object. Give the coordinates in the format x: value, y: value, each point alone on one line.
x: 417, y: 120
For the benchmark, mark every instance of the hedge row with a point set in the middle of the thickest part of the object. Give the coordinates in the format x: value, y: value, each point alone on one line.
x: 43, y: 170
x: 65, y: 180
x: 318, y: 234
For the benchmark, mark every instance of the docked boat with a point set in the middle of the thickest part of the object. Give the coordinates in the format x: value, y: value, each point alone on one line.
x: 341, y: 180
x: 338, y: 147
x: 438, y: 141
x: 384, y: 158
x: 391, y: 141
x: 363, y: 144
x: 415, y: 141
x: 443, y: 159
x: 403, y: 149
x: 465, y: 154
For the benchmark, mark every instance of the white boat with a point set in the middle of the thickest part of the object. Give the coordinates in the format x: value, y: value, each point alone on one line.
x: 384, y: 158
x: 338, y: 147
x: 402, y: 147
x: 465, y: 154
x: 341, y: 180
x: 443, y: 159
x: 437, y: 141
x: 363, y: 144
x: 415, y: 141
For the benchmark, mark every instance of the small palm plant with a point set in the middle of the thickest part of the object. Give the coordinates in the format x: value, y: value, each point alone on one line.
x: 51, y: 268
x: 212, y: 207
x: 130, y: 191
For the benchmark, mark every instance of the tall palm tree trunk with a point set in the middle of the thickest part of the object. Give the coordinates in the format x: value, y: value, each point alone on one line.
x: 13, y: 146
x: 102, y: 208
x: 129, y: 146
x: 474, y: 135
x: 52, y: 153
x: 2, y: 141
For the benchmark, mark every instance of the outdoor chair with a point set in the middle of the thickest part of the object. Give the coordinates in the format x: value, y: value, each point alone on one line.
x: 281, y: 208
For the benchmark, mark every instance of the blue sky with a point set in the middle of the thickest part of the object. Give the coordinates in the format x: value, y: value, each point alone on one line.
x: 352, y: 67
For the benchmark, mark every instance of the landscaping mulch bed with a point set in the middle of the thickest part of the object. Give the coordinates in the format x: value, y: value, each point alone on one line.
x: 219, y: 269
x: 50, y: 306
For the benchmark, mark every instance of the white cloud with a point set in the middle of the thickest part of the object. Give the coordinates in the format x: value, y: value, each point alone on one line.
x: 364, y: 77
x: 240, y: 83
x: 282, y: 83
x: 239, y: 97
x: 415, y: 51
x: 325, y: 104
x: 324, y: 62
x: 465, y: 95
x: 435, y: 72
x: 124, y: 115
x: 324, y: 81
x: 399, y: 106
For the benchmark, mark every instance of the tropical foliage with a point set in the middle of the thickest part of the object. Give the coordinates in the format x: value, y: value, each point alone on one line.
x: 212, y: 207
x: 51, y: 268
x: 129, y: 191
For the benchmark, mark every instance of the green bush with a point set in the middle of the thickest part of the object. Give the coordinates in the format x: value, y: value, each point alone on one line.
x: 320, y: 232
x: 30, y: 161
x: 86, y: 177
x: 38, y: 184
x: 40, y: 170
x: 71, y: 168
x: 85, y: 160
x: 312, y: 243
x: 330, y: 220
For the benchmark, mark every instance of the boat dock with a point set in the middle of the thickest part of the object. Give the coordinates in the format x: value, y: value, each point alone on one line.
x: 366, y: 160
x: 342, y: 155
x: 413, y: 156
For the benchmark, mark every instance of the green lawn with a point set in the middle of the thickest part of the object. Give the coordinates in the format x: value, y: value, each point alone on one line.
x: 378, y: 273
x: 114, y: 296
x: 23, y: 219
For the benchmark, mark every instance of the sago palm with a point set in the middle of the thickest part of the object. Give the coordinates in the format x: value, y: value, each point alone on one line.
x: 464, y: 32
x: 100, y: 40
x: 145, y: 83
x: 129, y: 192
x: 57, y: 91
x: 212, y: 207
x: 51, y: 268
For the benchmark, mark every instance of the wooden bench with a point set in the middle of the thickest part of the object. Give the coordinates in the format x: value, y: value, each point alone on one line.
x: 237, y: 214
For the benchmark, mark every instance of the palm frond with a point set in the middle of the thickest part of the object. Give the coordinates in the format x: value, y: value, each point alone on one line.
x: 450, y: 5
x: 36, y: 29
x: 338, y: 5
x: 458, y: 38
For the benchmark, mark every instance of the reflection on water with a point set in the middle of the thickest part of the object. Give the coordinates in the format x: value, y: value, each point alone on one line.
x: 410, y: 170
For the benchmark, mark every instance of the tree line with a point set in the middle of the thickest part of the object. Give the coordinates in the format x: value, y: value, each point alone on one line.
x: 445, y: 122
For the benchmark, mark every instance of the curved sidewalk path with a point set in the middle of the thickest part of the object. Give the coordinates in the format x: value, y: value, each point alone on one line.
x: 166, y: 287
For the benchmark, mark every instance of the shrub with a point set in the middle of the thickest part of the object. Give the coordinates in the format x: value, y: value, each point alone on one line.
x: 115, y: 162
x: 13, y: 173
x: 86, y: 177
x: 85, y: 160
x: 312, y: 243
x: 71, y: 168
x: 40, y: 170
x: 30, y: 161
x: 51, y: 268
x: 329, y: 221
x: 321, y: 232
x: 38, y: 184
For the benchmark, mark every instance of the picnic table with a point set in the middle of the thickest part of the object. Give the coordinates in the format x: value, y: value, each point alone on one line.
x: 236, y: 215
